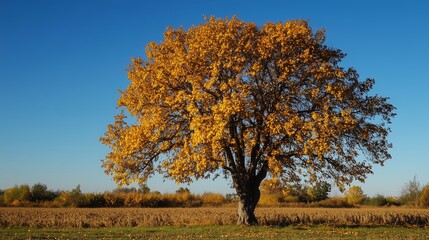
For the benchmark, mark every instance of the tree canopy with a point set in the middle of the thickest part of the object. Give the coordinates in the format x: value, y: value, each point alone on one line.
x: 251, y: 101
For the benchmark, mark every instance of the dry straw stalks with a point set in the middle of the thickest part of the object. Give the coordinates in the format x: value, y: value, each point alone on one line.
x: 133, y: 217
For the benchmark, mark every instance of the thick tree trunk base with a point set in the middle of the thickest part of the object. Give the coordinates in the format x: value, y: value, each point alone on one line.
x: 246, y: 215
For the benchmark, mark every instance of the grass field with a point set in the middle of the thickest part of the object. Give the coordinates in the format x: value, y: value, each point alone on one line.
x: 212, y: 223
x: 217, y: 232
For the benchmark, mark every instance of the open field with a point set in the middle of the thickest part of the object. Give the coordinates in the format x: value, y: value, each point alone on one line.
x: 212, y: 223
x: 155, y: 217
x: 217, y: 232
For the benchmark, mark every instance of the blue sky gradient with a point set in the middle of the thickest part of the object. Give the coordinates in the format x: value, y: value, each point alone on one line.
x: 63, y: 62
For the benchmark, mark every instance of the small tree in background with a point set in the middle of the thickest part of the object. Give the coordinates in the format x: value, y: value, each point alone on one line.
x: 296, y: 192
x: 319, y: 191
x: 73, y: 198
x: 40, y: 192
x: 378, y: 200
x: 411, y: 192
x: 17, y: 195
x: 182, y: 190
x: 124, y: 190
x: 143, y: 188
x: 355, y: 195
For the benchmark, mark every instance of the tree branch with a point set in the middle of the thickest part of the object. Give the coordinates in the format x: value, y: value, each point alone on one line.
x: 262, y: 173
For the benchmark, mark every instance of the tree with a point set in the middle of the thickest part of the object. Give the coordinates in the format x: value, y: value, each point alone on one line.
x: 17, y: 194
x: 143, y: 188
x: 230, y: 97
x: 411, y: 192
x: 38, y: 192
x: 182, y: 190
x: 73, y: 198
x: 319, y: 191
x: 378, y: 200
x: 355, y: 195
x: 125, y: 190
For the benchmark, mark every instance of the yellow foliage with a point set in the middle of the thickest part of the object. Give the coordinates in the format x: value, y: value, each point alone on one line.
x: 270, y: 199
x: 354, y: 195
x: 214, y: 199
x: 251, y: 100
x: 424, y: 196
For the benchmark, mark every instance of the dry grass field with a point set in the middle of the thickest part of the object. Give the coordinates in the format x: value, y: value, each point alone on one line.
x: 156, y: 217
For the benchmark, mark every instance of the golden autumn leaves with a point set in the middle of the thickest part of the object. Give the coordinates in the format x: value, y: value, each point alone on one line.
x: 232, y: 95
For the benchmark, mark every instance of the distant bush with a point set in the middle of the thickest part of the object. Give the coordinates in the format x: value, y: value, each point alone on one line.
x: 393, y: 201
x: 185, y: 199
x: 291, y: 199
x: 333, y: 202
x: 213, y: 199
x: 73, y: 198
x: 319, y: 191
x: 17, y: 196
x: 355, y: 195
x: 271, y: 199
x: 424, y: 196
x: 113, y: 200
x: 153, y: 200
x: 378, y: 200
x: 94, y: 200
x: 231, y: 197
x: 39, y: 193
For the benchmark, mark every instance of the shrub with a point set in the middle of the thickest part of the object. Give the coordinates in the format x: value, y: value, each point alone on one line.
x: 291, y: 199
x: 40, y: 192
x: 393, y: 201
x: 424, y: 196
x: 213, y: 199
x: 333, y: 202
x: 379, y: 200
x: 271, y: 199
x: 17, y: 196
x: 319, y: 191
x: 132, y: 199
x: 73, y: 198
x: 231, y: 197
x: 355, y: 195
x: 94, y: 200
x: 113, y: 200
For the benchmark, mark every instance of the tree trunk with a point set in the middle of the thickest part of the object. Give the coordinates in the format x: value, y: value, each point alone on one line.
x: 247, y: 204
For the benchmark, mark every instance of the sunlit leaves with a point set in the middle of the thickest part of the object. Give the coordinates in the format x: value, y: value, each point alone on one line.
x: 229, y: 94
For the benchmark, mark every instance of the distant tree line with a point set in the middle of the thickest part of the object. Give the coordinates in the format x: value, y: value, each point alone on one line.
x: 277, y: 193
x: 274, y: 193
x: 40, y: 196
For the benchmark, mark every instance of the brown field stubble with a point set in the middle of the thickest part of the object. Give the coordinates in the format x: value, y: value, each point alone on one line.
x: 133, y: 217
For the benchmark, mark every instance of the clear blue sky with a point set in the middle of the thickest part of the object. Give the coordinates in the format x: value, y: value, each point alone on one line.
x: 62, y: 63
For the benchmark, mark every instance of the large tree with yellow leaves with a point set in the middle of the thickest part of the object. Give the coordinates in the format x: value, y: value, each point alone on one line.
x: 230, y: 97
